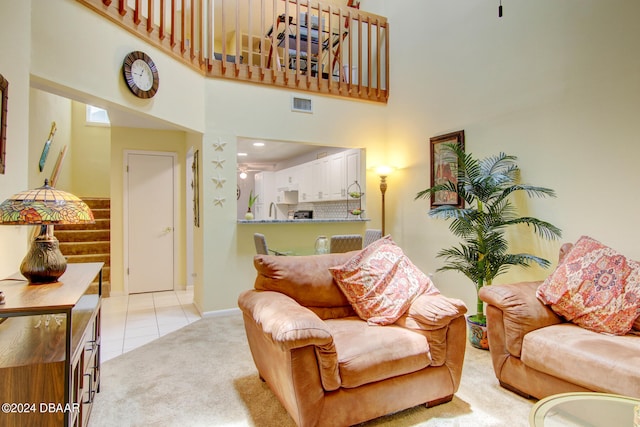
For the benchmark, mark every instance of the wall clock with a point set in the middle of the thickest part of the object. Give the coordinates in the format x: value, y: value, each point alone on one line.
x: 140, y: 74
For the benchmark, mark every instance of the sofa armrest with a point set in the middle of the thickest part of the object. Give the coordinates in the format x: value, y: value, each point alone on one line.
x: 522, y: 312
x: 432, y: 312
x: 290, y: 327
x: 286, y: 322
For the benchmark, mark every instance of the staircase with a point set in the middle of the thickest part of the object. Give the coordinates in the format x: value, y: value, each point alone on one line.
x: 90, y: 242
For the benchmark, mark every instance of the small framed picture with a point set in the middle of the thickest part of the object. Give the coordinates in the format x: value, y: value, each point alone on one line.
x: 444, y: 167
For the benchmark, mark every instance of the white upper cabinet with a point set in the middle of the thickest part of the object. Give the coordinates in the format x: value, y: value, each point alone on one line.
x: 265, y: 186
x: 321, y: 180
x: 354, y: 167
x: 337, y: 176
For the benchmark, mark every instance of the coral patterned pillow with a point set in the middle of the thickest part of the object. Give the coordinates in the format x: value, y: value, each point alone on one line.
x: 594, y: 287
x: 380, y: 282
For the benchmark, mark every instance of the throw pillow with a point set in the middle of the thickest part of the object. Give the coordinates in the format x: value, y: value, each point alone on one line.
x: 380, y: 282
x: 595, y: 287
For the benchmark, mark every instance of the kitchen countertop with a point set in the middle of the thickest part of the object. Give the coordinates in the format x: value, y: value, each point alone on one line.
x: 299, y: 221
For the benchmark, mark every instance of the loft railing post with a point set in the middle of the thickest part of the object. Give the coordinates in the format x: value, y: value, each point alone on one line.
x: 161, y: 28
x: 386, y: 61
x: 319, y: 71
x: 237, y: 43
x: 368, y: 56
x: 378, y: 38
x: 136, y: 12
x: 150, y: 4
x: 201, y: 31
x: 210, y: 57
x: 350, y: 75
x: 192, y: 36
x: 262, y: 44
x: 249, y: 40
x: 359, y: 55
x: 173, y: 23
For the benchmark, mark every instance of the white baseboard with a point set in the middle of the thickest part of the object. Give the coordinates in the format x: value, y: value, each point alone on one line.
x: 221, y: 313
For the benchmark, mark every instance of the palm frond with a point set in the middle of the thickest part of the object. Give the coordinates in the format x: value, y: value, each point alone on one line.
x: 541, y: 228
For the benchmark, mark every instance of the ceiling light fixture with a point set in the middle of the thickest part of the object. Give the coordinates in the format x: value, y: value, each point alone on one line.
x: 258, y: 144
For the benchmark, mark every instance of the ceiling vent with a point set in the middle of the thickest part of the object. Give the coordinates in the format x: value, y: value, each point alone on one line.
x: 301, y: 105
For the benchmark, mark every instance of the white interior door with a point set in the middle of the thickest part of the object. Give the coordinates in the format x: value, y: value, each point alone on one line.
x: 150, y: 221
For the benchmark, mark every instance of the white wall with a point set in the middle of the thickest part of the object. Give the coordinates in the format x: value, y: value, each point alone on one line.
x: 228, y: 247
x: 555, y: 83
x: 15, y: 26
x: 83, y: 61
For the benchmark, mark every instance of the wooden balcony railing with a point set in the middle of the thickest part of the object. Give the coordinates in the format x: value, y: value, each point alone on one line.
x: 316, y: 47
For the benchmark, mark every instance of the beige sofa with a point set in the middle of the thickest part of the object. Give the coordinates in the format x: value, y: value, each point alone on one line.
x: 537, y: 353
x: 330, y: 368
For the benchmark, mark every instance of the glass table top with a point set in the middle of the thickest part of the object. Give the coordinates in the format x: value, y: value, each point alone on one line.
x: 586, y: 410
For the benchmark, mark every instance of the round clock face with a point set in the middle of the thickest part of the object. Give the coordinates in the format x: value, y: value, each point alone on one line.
x: 140, y: 74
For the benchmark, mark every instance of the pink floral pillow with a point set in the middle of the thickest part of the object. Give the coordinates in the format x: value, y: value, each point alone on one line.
x: 595, y: 287
x: 380, y: 282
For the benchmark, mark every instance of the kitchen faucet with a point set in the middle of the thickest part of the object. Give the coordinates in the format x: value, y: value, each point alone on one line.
x: 273, y: 205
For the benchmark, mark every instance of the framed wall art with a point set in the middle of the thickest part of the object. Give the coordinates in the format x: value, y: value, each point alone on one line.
x: 4, y: 96
x: 444, y: 167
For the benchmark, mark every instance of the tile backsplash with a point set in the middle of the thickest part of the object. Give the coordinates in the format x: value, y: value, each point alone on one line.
x: 331, y: 210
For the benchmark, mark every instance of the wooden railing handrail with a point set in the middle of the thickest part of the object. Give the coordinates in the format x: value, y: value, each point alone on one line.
x: 253, y: 53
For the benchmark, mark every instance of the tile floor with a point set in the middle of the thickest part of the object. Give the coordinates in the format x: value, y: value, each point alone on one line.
x: 129, y: 321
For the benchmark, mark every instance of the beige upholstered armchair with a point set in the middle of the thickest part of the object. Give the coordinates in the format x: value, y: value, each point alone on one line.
x: 326, y: 365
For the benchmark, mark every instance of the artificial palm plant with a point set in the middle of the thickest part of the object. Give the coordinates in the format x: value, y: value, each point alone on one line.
x: 486, y: 187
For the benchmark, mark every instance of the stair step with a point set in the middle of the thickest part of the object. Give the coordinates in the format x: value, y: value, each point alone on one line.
x: 83, y: 235
x: 101, y: 213
x: 89, y: 258
x: 90, y: 242
x: 100, y: 224
x: 97, y: 203
x: 83, y: 248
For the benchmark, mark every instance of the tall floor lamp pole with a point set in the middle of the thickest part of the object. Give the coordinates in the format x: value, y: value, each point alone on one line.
x: 383, y: 172
x: 383, y: 189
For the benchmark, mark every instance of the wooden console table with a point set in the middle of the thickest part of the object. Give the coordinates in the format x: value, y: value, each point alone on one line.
x: 50, y: 366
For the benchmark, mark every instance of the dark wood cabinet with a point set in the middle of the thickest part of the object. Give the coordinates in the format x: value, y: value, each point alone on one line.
x: 50, y: 349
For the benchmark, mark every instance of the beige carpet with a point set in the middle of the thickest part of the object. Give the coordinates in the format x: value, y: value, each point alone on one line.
x: 203, y: 375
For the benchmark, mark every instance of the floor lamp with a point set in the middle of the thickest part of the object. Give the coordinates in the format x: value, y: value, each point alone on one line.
x: 383, y: 172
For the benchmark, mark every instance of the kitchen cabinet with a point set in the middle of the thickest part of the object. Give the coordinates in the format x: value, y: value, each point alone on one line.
x: 305, y: 184
x: 337, y: 181
x: 287, y: 179
x: 353, y: 167
x: 320, y: 180
x: 265, y: 189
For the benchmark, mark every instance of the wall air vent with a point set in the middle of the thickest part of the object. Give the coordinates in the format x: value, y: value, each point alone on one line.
x: 301, y: 105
